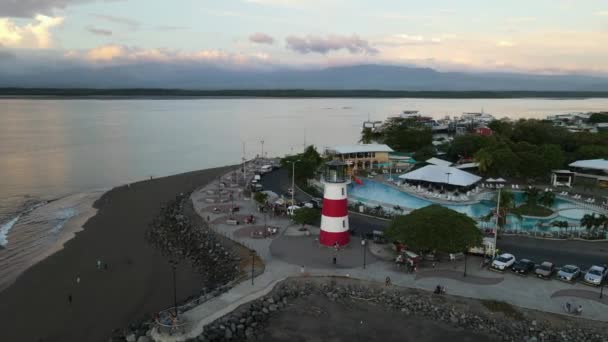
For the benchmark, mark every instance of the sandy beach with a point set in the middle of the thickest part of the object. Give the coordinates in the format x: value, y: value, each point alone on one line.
x: 137, y: 282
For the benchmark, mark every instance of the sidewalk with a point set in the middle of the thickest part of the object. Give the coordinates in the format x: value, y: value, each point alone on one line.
x: 480, y: 283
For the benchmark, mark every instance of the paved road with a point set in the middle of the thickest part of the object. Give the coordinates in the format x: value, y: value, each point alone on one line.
x: 279, y: 181
x: 583, y: 254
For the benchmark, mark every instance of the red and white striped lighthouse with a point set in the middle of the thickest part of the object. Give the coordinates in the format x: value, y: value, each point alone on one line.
x: 334, y: 219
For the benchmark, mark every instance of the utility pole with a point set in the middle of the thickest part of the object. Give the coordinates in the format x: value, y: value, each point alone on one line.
x: 252, y: 265
x: 293, y: 180
x: 173, y: 266
x: 363, y: 244
x: 496, y: 228
x: 262, y: 142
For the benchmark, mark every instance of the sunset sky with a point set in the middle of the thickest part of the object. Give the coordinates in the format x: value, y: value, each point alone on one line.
x: 540, y: 36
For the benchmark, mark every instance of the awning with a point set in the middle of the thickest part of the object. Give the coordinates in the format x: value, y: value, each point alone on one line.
x: 442, y: 175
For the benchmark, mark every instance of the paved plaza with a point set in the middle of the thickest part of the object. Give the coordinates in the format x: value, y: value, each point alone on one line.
x: 286, y: 255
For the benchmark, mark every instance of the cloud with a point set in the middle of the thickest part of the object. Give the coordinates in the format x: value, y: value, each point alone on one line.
x: 505, y: 43
x: 171, y: 28
x: 406, y: 39
x: 315, y: 44
x: 602, y: 13
x: 261, y: 38
x: 35, y: 34
x: 521, y: 20
x: 278, y: 2
x: 99, y: 31
x: 31, y: 8
x: 122, y: 54
x: 127, y: 22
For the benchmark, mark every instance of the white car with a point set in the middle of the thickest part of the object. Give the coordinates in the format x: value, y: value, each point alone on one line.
x: 595, y: 275
x: 503, y: 262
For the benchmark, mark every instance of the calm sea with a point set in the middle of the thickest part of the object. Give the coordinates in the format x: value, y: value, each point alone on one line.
x: 57, y: 149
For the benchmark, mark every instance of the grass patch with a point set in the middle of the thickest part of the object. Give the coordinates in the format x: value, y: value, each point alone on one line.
x: 502, y: 307
x: 532, y: 210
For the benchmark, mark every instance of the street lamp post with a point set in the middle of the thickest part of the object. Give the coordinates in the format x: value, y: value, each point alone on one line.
x: 602, y: 283
x: 293, y: 180
x: 465, y: 264
x: 252, y: 265
x: 363, y: 243
x: 262, y: 142
x: 173, y: 266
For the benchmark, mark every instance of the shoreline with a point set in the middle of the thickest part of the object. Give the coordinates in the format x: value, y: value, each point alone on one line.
x: 137, y: 282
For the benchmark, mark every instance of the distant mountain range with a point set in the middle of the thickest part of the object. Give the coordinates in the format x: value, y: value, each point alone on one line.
x: 379, y: 77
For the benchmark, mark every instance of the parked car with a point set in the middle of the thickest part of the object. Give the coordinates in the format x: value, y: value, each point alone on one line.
x: 569, y: 273
x: 595, y: 275
x: 523, y: 266
x: 545, y: 270
x: 317, y: 201
x: 503, y: 262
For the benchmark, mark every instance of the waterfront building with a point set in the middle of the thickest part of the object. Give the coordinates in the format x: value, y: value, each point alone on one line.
x: 361, y: 156
x: 583, y: 172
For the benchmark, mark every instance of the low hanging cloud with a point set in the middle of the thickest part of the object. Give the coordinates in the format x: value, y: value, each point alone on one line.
x: 315, y: 44
x: 261, y: 38
x: 122, y: 54
x: 31, y: 8
x: 127, y: 22
x: 99, y: 31
x: 35, y: 34
x: 406, y: 39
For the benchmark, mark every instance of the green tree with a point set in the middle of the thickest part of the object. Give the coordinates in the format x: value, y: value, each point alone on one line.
x: 591, y: 152
x: 369, y: 136
x: 305, y: 216
x: 307, y: 164
x: 507, y: 205
x: 588, y: 221
x: 468, y: 145
x: 599, y: 117
x: 532, y: 195
x: 485, y: 160
x: 260, y: 198
x: 547, y: 198
x: 405, y: 135
x: 435, y: 228
x: 425, y: 153
x: 504, y: 162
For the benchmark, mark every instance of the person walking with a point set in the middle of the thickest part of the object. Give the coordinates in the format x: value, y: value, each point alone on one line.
x: 69, y: 298
x: 387, y: 281
x: 98, y: 264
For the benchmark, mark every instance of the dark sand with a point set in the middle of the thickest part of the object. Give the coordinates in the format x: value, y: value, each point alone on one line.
x: 315, y: 318
x: 138, y: 281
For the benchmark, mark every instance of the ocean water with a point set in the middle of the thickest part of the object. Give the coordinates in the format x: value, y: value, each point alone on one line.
x: 53, y: 152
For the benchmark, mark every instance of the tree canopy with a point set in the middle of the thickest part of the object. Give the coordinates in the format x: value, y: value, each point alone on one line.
x: 306, y: 216
x: 400, y: 134
x: 435, y: 228
x: 307, y: 163
x: 260, y: 197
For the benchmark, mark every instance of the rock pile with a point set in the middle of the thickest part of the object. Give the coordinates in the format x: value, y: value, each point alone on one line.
x: 248, y: 322
x: 177, y: 236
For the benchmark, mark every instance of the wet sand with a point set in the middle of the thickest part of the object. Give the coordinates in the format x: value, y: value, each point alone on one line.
x: 138, y: 280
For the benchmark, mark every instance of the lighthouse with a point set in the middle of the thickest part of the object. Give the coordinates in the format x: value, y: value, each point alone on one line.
x: 334, y: 219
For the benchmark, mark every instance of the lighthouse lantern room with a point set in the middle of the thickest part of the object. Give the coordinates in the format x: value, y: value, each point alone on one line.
x: 334, y: 219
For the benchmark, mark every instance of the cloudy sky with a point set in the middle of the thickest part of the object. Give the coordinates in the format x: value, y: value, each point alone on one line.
x: 541, y: 36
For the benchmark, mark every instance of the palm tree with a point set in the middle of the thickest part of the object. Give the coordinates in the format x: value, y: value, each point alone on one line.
x: 485, y: 160
x: 588, y: 221
x: 368, y: 136
x: 547, y: 198
x: 532, y: 195
x: 507, y: 204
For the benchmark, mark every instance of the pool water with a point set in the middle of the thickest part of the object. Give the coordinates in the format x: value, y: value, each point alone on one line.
x: 376, y: 192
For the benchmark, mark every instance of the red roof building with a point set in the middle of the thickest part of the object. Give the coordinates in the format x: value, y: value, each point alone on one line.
x: 485, y: 131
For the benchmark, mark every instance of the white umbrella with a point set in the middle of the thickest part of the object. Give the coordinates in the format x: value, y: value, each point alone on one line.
x: 490, y: 180
x: 500, y: 180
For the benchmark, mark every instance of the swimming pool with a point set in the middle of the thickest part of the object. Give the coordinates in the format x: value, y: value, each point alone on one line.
x: 376, y: 192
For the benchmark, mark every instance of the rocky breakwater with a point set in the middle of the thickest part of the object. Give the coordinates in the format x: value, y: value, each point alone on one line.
x: 180, y: 235
x: 249, y: 322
